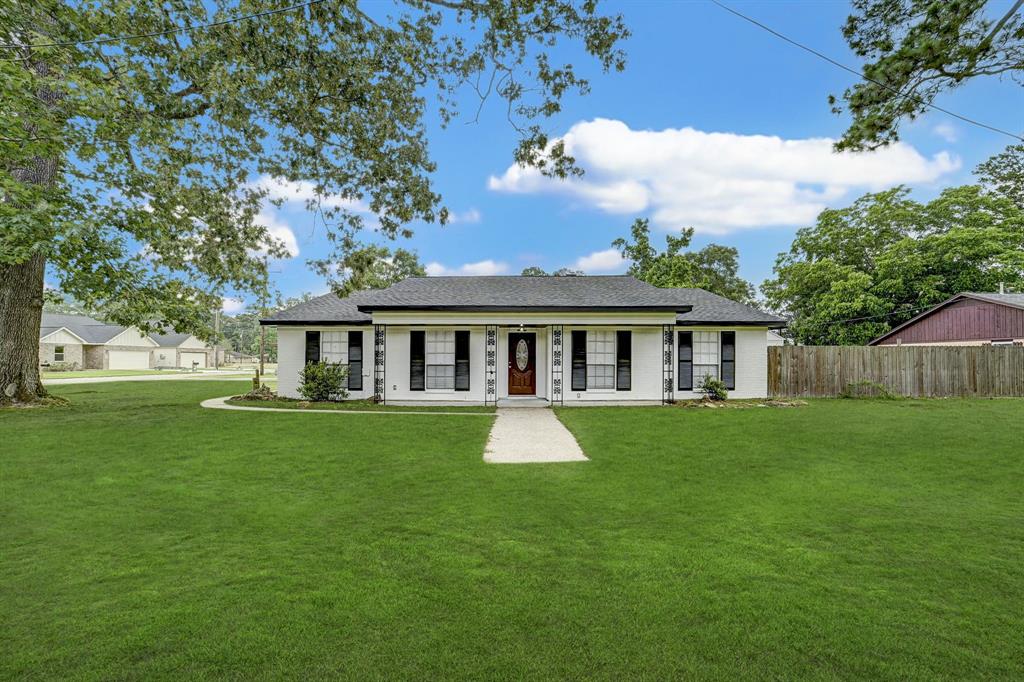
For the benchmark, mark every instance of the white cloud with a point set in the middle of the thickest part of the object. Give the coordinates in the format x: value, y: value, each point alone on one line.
x: 232, y: 305
x: 609, y: 260
x: 470, y: 216
x: 719, y: 182
x: 305, y: 192
x: 279, y: 230
x: 947, y: 131
x: 484, y: 267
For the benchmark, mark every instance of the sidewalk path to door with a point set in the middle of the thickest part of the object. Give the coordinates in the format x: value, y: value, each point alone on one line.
x: 522, y: 435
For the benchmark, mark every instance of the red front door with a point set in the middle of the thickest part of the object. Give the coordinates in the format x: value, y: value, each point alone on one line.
x: 522, y: 363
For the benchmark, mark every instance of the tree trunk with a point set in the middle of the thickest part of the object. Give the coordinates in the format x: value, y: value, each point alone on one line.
x: 21, y: 309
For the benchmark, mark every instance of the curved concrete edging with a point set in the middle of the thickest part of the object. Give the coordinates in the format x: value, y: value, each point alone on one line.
x: 221, y: 404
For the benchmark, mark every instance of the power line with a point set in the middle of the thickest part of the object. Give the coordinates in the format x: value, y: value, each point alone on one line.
x: 860, y: 75
x: 180, y: 29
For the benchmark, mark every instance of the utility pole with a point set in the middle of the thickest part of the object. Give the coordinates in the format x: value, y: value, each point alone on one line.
x: 216, y: 339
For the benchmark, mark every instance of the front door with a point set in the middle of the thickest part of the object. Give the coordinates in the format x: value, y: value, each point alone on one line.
x: 522, y: 363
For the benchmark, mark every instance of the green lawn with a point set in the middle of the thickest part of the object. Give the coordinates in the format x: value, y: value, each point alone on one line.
x: 143, y: 537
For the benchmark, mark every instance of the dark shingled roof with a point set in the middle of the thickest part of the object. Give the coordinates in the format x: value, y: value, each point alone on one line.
x: 88, y: 329
x: 715, y: 309
x: 170, y: 339
x: 518, y: 293
x: 326, y: 309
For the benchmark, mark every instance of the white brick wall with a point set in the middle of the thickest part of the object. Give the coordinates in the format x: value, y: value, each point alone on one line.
x: 291, y: 356
x: 751, y: 365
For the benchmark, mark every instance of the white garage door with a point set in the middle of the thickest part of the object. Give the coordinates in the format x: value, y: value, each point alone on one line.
x: 128, y: 359
x: 188, y: 358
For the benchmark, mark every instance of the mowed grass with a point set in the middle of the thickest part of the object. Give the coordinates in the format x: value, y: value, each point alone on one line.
x: 144, y: 537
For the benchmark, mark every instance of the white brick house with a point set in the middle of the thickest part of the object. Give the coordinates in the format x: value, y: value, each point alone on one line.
x: 556, y: 340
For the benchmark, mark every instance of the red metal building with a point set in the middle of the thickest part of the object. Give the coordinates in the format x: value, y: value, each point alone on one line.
x: 967, y: 319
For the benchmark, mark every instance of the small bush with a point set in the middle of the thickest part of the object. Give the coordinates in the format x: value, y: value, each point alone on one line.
x: 713, y: 389
x: 61, y: 367
x: 323, y: 382
x: 868, y: 389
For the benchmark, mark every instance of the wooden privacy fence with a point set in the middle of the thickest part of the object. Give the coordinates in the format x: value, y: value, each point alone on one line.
x: 915, y: 371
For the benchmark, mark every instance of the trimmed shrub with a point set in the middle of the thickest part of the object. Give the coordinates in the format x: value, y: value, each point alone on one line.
x: 323, y: 382
x: 713, y: 389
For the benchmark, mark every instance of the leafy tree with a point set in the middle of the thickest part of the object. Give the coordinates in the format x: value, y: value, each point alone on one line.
x: 133, y: 169
x: 917, y: 49
x: 372, y: 267
x: 861, y: 270
x: 714, y: 267
x: 534, y: 271
x: 1003, y: 174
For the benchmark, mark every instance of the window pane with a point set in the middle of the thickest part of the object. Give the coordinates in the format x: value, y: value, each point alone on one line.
x: 600, y: 376
x: 334, y: 347
x: 701, y: 371
x: 441, y: 376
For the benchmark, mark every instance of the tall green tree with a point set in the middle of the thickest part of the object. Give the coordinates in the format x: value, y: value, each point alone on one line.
x: 134, y: 137
x: 861, y: 270
x: 715, y: 267
x: 371, y: 267
x: 917, y: 49
x: 534, y: 271
x: 1003, y: 174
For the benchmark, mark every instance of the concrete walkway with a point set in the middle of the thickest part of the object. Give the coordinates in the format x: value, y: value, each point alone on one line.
x: 521, y: 435
x: 212, y: 374
x: 221, y: 404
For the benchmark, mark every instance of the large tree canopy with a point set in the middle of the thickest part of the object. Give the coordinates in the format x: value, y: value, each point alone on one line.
x: 864, y: 269
x: 915, y: 50
x: 133, y: 168
x: 373, y: 267
x: 714, y: 267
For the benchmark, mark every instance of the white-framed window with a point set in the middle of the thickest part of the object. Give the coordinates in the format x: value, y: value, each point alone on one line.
x: 334, y: 347
x: 58, y: 354
x: 705, y: 357
x: 600, y: 359
x: 440, y: 359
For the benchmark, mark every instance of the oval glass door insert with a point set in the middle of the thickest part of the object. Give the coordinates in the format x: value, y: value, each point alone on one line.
x: 522, y: 355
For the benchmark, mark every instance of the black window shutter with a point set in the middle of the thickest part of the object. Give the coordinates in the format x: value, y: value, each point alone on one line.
x: 579, y: 360
x: 417, y: 360
x: 685, y: 361
x: 623, y: 360
x: 355, y: 361
x: 728, y: 341
x: 312, y: 347
x: 462, y: 361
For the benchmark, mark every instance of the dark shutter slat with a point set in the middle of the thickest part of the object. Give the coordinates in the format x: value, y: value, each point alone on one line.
x: 417, y: 360
x: 728, y: 342
x: 579, y: 360
x: 462, y: 361
x: 623, y: 360
x: 312, y: 347
x: 685, y: 353
x: 355, y: 361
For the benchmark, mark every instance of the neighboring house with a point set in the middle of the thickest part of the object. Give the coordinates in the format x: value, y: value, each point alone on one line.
x: 967, y: 319
x: 181, y: 350
x: 775, y: 338
x: 81, y: 342
x: 495, y: 340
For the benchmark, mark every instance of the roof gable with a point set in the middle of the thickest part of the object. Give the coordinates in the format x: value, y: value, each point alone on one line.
x: 86, y: 328
x: 1010, y: 300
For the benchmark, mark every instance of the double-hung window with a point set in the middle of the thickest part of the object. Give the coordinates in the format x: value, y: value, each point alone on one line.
x: 705, y: 356
x: 334, y: 347
x: 58, y: 354
x: 600, y: 359
x: 441, y: 359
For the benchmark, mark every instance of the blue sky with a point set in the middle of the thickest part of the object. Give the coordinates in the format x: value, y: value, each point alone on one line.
x: 704, y: 85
